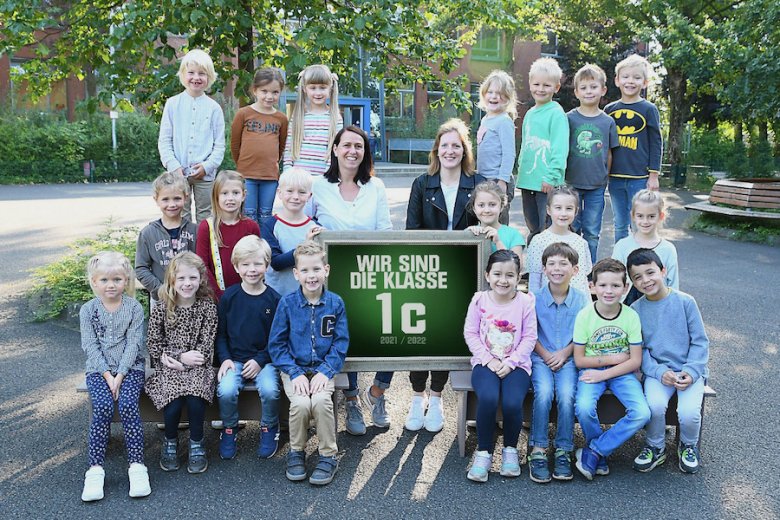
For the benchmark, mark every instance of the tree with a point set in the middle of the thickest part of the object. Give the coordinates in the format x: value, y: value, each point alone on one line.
x: 130, y: 45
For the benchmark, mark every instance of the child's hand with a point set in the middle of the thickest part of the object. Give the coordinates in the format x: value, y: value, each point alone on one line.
x: 117, y: 384
x: 301, y: 385
x: 224, y: 367
x: 547, y: 188
x: 198, y: 171
x: 192, y: 358
x: 652, y: 182
x: 169, y: 362
x: 476, y: 230
x: 684, y: 380
x: 556, y: 360
x: 179, y: 171
x: 669, y: 378
x: 504, y: 370
x: 494, y: 365
x: 492, y: 233
x: 250, y: 370
x: 591, y: 376
x: 313, y: 232
x: 317, y: 383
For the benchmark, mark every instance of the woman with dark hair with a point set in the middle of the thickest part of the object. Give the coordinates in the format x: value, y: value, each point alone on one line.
x: 440, y: 200
x: 349, y: 197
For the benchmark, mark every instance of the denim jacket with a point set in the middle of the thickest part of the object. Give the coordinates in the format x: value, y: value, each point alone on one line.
x: 309, y: 337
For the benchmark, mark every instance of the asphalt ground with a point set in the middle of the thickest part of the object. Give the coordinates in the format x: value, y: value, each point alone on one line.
x: 393, y: 472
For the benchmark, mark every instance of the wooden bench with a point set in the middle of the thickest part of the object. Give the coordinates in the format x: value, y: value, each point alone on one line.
x: 249, y: 408
x: 610, y: 409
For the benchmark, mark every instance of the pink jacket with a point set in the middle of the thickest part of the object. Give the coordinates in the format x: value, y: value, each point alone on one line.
x: 504, y: 332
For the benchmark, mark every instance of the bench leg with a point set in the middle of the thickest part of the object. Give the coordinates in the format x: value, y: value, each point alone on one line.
x: 462, y: 416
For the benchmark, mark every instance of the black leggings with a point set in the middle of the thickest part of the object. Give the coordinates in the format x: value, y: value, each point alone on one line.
x: 196, y: 412
x: 438, y: 380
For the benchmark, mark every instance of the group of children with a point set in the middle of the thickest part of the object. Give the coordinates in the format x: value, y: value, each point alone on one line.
x: 229, y: 308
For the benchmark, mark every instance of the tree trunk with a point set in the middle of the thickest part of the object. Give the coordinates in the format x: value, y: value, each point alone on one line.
x: 679, y: 114
x: 738, y: 132
x: 763, y: 131
x: 246, y: 60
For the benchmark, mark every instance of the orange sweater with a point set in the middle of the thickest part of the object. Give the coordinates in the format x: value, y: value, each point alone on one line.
x: 257, y: 143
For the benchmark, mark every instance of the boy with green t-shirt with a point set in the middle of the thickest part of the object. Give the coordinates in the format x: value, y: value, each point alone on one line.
x: 542, y: 161
x: 607, y: 350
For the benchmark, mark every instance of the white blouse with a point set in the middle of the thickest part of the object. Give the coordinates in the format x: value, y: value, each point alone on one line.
x: 369, y: 211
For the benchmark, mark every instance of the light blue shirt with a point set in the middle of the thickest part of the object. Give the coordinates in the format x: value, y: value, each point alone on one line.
x: 555, y: 322
x: 192, y: 131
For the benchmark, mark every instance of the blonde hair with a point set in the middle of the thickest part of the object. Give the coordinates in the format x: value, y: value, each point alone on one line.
x: 634, y: 60
x: 650, y: 198
x: 167, y: 292
x: 590, y: 72
x: 314, y: 75
x: 111, y: 262
x: 296, y: 178
x: 491, y: 188
x: 249, y: 246
x: 506, y: 88
x: 223, y: 178
x: 197, y: 58
x: 309, y: 248
x: 452, y: 125
x: 170, y: 180
x: 546, y: 67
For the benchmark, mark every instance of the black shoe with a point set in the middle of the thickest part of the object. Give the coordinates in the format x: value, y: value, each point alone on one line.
x: 197, y: 461
x: 169, y: 458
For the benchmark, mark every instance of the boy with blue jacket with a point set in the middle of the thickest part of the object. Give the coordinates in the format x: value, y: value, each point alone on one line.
x: 309, y: 341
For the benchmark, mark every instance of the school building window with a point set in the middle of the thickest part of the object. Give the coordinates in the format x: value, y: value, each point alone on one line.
x: 489, y: 45
x: 550, y: 47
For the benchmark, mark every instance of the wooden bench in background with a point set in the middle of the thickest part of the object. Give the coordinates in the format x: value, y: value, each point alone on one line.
x: 610, y: 410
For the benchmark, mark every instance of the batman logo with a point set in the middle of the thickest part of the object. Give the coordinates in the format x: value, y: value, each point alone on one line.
x: 628, y: 122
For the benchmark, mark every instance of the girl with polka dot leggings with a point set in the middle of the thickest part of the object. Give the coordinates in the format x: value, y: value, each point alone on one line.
x: 111, y: 327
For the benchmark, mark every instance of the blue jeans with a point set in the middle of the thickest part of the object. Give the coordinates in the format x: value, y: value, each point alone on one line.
x: 588, y: 219
x: 268, y: 387
x: 560, y: 385
x: 381, y: 380
x: 628, y: 390
x: 260, y: 195
x: 488, y: 387
x: 688, y: 411
x: 621, y: 192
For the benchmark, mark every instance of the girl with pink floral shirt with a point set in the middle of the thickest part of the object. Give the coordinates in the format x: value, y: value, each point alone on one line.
x: 500, y: 331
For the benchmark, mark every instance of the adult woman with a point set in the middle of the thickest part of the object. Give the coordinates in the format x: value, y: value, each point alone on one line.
x: 439, y: 200
x: 348, y: 197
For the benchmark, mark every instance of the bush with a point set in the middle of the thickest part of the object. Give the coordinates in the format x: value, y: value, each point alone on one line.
x: 710, y: 148
x: 64, y: 282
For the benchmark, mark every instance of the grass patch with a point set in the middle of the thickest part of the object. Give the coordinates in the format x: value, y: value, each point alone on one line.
x: 738, y: 228
x: 64, y: 282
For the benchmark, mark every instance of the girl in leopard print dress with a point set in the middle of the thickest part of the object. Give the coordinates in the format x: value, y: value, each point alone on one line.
x: 181, y: 349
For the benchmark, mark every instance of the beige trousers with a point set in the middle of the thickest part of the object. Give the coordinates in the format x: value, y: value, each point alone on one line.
x: 302, y: 408
x: 201, y: 192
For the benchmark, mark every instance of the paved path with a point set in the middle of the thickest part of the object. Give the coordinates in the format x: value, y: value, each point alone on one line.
x: 392, y: 472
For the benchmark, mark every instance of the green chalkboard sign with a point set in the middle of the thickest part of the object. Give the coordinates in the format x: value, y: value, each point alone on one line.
x: 406, y: 293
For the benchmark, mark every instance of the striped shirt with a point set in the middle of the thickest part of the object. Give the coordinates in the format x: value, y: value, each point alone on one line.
x: 314, y: 156
x: 112, y: 340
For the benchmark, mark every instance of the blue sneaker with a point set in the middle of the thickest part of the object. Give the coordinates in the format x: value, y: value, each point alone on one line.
x: 562, y: 469
x: 296, y: 466
x: 537, y: 466
x: 324, y: 471
x: 269, y: 441
x: 227, y: 443
x: 355, y: 423
x: 587, y: 461
x: 602, y: 468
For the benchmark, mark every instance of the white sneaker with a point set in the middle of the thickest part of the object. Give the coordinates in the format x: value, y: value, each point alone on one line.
x: 139, y: 480
x: 93, y: 484
x: 416, y: 416
x: 434, y: 417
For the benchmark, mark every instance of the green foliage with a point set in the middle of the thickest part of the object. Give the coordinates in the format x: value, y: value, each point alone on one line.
x: 760, y: 159
x: 64, y: 282
x: 710, y: 147
x: 737, y: 162
x: 131, y: 47
x: 747, y: 229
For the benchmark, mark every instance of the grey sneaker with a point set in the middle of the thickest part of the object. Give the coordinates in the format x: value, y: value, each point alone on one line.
x: 480, y: 467
x: 169, y: 459
x: 688, y: 456
x: 324, y: 471
x: 355, y: 423
x: 510, y: 462
x: 296, y: 465
x: 197, y: 463
x: 378, y: 411
x: 649, y: 458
